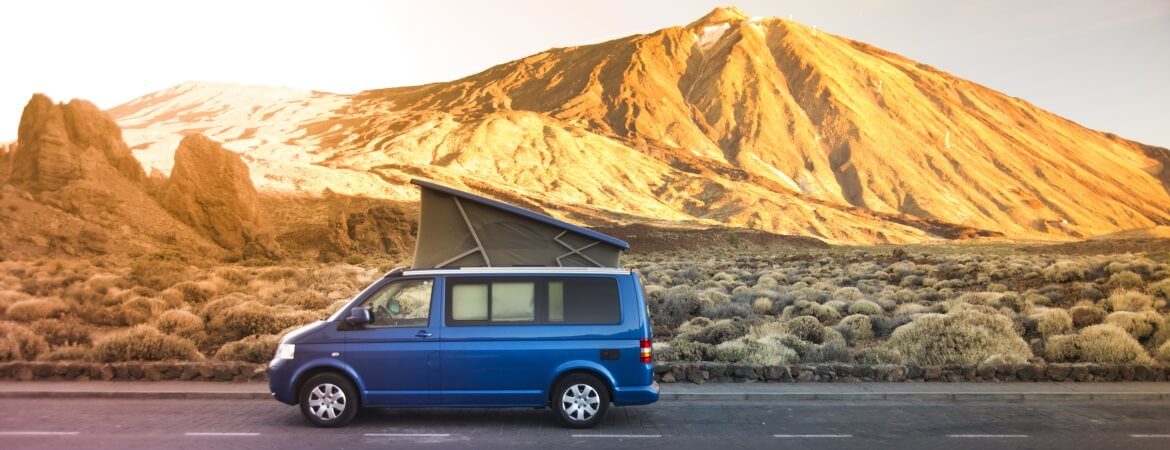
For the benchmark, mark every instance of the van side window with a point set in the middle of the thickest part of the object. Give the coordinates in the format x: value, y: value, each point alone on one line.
x: 583, y: 301
x: 497, y: 301
x: 405, y: 303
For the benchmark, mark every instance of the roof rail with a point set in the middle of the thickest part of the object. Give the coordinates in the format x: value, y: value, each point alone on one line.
x: 395, y: 272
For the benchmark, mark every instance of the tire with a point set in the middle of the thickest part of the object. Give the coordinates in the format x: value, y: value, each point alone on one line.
x: 329, y: 400
x: 580, y: 401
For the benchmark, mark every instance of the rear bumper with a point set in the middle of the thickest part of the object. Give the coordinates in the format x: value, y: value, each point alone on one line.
x: 636, y: 395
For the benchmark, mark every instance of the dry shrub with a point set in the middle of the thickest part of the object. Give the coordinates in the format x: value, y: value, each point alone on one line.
x: 877, y: 356
x: 245, y: 319
x: 180, y: 323
x: 693, y: 351
x: 963, y: 336
x: 1125, y: 280
x: 1084, y: 315
x: 7, y: 298
x: 1164, y: 352
x: 234, y: 275
x: 865, y: 307
x: 1103, y: 343
x: 855, y: 328
x: 306, y: 299
x: 69, y: 353
x: 768, y: 351
x: 199, y: 291
x: 1052, y: 321
x: 716, y: 332
x: 1160, y: 289
x: 144, y: 343
x: 1065, y: 271
x: 18, y: 342
x: 160, y: 271
x: 35, y: 309
x: 1130, y: 300
x: 821, y: 312
x: 255, y: 349
x: 280, y: 273
x: 664, y: 352
x: 139, y: 310
x: 1139, y: 325
x: 806, y: 328
x: 762, y: 305
x: 62, y: 332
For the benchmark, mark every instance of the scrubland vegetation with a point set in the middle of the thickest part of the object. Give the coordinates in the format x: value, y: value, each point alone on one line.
x: 939, y: 307
x: 811, y: 306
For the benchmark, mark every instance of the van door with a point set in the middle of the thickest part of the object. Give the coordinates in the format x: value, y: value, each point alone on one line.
x: 397, y: 353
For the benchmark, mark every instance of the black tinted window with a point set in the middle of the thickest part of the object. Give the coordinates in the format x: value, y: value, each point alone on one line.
x: 583, y: 301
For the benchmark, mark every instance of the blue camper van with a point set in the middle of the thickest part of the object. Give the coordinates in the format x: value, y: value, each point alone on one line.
x: 476, y: 327
x: 572, y: 339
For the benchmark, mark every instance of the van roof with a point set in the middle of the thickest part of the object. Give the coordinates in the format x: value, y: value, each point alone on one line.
x: 512, y: 271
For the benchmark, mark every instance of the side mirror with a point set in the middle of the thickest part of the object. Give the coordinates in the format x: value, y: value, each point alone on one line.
x: 358, y: 316
x: 395, y: 308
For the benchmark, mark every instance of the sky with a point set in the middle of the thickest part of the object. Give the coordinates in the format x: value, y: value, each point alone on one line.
x: 1103, y: 64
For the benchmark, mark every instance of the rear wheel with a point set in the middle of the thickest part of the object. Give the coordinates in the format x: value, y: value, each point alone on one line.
x: 328, y: 400
x: 580, y: 401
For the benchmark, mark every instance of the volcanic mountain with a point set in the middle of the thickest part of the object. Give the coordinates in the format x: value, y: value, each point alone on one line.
x: 734, y: 121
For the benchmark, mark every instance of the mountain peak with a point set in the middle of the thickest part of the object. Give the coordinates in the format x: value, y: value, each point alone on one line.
x: 720, y: 15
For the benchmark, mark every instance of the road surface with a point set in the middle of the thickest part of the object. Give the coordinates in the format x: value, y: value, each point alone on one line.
x: 205, y: 424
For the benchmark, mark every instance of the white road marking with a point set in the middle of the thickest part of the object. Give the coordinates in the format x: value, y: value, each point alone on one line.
x: 190, y: 433
x: 1150, y: 435
x: 987, y: 436
x: 812, y: 435
x: 408, y: 434
x: 39, y: 433
x: 617, y: 436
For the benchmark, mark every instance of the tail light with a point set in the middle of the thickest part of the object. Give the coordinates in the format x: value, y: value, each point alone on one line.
x: 647, y: 352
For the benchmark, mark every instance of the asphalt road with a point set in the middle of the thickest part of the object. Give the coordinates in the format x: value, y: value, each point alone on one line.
x: 205, y: 424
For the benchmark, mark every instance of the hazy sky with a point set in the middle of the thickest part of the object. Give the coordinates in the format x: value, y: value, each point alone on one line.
x: 1104, y: 64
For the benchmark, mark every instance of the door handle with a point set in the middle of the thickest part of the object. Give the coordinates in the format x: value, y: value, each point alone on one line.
x: 423, y: 334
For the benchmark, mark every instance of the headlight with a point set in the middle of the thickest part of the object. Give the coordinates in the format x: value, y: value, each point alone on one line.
x: 285, y: 351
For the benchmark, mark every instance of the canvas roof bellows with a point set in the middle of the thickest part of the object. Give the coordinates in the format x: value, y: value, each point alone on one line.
x: 459, y: 229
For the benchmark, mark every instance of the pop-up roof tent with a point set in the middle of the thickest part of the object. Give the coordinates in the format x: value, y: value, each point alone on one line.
x: 458, y: 229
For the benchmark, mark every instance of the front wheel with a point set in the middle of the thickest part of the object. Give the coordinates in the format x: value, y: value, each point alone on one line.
x: 328, y: 400
x: 580, y: 401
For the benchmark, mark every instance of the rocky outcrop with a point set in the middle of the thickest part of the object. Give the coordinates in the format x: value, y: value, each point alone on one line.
x: 210, y: 189
x: 63, y: 142
x: 6, y: 151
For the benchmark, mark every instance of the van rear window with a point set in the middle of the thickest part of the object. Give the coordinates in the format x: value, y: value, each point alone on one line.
x: 519, y: 301
x: 583, y: 301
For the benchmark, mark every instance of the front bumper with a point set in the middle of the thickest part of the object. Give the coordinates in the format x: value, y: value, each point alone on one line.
x: 636, y: 395
x: 280, y: 381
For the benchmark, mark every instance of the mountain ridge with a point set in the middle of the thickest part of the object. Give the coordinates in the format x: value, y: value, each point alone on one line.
x: 731, y: 120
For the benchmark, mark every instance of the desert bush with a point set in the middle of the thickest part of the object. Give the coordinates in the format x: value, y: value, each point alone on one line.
x: 729, y: 310
x: 865, y: 307
x: 254, y: 349
x: 68, y: 353
x: 139, y: 310
x: 1084, y: 315
x: 143, y: 343
x: 664, y: 352
x: 736, y: 351
x: 1065, y: 271
x: 35, y: 309
x: 180, y: 323
x: 830, y: 351
x: 678, y: 304
x: 1051, y: 321
x: 62, y: 332
x: 762, y: 305
x: 807, y: 308
x: 1139, y: 325
x: 241, y: 320
x: 806, y: 328
x: 693, y: 351
x: 877, y: 356
x: 719, y: 331
x: 1103, y: 343
x: 774, y: 351
x: 1160, y: 289
x: 848, y: 294
x: 855, y: 328
x: 18, y: 342
x: 884, y: 326
x: 963, y: 336
x: 694, y: 325
x: 8, y: 297
x: 1125, y: 280
x: 159, y: 272
x: 1163, y: 352
x: 1130, y: 300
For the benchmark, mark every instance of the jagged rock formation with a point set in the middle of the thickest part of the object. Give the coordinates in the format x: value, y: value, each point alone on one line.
x: 757, y: 123
x: 75, y: 188
x: 210, y: 189
x: 6, y: 151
